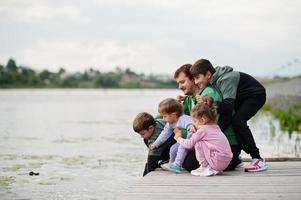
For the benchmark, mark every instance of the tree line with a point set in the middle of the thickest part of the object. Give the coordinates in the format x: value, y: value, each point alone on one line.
x: 13, y: 76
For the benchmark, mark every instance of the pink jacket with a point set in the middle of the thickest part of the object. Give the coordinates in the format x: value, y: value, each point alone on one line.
x: 211, y: 140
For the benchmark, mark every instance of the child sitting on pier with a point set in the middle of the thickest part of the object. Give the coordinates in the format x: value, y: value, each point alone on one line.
x: 212, y: 148
x: 172, y: 112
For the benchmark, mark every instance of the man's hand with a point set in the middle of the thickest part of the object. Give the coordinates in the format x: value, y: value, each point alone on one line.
x: 177, y: 132
x: 180, y: 98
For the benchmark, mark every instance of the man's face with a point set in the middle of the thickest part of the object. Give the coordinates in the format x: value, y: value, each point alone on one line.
x: 185, y: 84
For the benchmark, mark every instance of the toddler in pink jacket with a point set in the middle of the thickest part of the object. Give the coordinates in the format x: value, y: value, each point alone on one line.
x: 212, y: 148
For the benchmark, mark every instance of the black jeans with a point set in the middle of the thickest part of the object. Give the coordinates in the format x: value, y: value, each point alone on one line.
x: 244, y: 110
x: 236, y: 149
x: 152, y: 161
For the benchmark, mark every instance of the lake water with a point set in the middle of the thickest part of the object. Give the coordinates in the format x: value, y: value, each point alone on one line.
x: 82, y: 145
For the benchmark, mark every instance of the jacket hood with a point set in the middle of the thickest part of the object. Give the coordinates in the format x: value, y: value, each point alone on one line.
x: 219, y: 71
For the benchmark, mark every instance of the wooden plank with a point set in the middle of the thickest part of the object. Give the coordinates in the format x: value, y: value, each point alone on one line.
x: 281, y: 181
x: 279, y: 159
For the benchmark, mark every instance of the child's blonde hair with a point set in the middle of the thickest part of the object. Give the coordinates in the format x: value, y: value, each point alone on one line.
x: 206, y: 110
x: 169, y: 106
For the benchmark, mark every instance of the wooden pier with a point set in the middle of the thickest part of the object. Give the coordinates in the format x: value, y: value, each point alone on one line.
x: 282, y: 180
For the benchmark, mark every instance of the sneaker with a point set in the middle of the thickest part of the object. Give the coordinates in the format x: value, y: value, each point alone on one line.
x: 208, y: 171
x: 256, y: 165
x: 241, y: 164
x: 175, y: 168
x: 171, y: 167
x: 161, y: 162
x: 165, y: 166
x: 198, y: 171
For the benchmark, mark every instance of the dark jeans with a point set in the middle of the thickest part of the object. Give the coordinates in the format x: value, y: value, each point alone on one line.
x: 236, y: 149
x: 244, y: 110
x: 152, y: 161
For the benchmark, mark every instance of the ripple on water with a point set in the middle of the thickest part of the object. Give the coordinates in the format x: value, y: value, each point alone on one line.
x: 118, y: 140
x: 72, y: 140
x: 6, y: 181
x: 27, y: 157
x: 14, y: 168
x: 106, y: 122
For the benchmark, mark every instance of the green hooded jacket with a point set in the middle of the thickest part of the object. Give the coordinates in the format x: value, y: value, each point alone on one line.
x: 209, y: 90
x: 226, y: 80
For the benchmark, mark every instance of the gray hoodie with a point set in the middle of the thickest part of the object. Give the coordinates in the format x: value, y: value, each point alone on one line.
x: 226, y: 80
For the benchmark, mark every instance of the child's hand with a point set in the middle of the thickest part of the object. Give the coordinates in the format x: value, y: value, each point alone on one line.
x: 200, y: 99
x: 180, y: 98
x: 153, y: 146
x: 177, y: 132
x: 193, y: 129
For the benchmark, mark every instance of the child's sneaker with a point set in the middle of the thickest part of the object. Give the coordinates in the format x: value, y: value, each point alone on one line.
x: 175, y: 168
x: 165, y: 166
x: 198, y: 171
x: 161, y: 162
x: 208, y: 171
x: 256, y: 165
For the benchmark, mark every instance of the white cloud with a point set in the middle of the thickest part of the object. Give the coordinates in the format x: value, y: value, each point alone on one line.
x: 151, y: 36
x: 35, y: 11
x: 79, y: 55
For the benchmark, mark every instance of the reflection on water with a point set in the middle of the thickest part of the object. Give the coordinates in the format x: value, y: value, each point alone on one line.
x: 81, y: 143
x: 271, y: 140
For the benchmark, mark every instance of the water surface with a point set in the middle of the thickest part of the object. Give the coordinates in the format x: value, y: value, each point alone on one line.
x: 82, y: 145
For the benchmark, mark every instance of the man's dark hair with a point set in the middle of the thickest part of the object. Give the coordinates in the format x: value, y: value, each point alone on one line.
x: 185, y: 69
x: 202, y: 66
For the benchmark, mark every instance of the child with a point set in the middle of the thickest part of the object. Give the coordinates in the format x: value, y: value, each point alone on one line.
x: 242, y: 93
x: 212, y: 148
x: 149, y: 129
x: 172, y: 112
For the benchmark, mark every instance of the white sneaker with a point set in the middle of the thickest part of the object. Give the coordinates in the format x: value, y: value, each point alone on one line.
x: 256, y: 165
x: 165, y: 166
x: 208, y: 171
x: 198, y: 171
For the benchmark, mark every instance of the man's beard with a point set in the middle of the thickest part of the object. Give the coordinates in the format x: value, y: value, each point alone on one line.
x: 189, y: 92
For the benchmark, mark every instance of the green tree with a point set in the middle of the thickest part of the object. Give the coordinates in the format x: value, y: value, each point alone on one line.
x: 108, y: 80
x: 11, y: 66
x: 12, y: 72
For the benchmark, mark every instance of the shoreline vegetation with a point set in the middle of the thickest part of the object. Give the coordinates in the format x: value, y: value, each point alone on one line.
x: 283, y: 93
x: 284, y: 103
x: 13, y: 76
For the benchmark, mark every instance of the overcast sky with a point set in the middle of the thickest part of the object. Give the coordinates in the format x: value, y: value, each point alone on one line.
x: 157, y: 36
